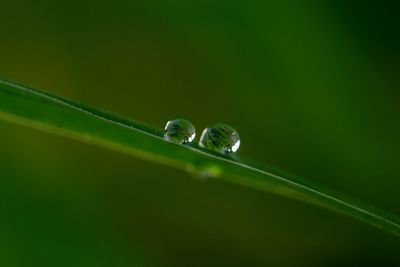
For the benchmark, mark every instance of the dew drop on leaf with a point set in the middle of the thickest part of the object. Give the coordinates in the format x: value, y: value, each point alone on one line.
x: 180, y: 131
x: 204, y: 170
x: 221, y: 138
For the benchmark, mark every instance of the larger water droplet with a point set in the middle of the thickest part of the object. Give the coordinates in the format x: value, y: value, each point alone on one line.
x: 221, y: 138
x: 179, y: 131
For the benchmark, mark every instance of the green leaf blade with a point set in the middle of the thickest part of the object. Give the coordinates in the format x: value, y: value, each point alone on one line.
x: 43, y: 111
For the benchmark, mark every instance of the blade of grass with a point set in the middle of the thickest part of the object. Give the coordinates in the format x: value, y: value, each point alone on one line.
x: 43, y: 111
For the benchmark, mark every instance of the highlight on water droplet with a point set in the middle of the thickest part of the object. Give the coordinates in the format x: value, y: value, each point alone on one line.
x: 180, y: 131
x: 221, y: 138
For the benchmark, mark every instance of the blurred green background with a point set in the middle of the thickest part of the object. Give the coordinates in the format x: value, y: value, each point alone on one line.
x: 312, y: 87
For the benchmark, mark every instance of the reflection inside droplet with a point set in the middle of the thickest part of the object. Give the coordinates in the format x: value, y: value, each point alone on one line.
x: 180, y: 131
x: 221, y: 138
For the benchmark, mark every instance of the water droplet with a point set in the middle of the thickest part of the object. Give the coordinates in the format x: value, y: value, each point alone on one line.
x: 204, y: 170
x: 221, y: 138
x: 179, y: 131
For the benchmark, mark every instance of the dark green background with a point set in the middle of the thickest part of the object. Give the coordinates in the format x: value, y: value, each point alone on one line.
x: 311, y: 86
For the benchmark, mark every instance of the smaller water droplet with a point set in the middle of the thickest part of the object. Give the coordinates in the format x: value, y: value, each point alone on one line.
x: 179, y: 131
x: 221, y: 138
